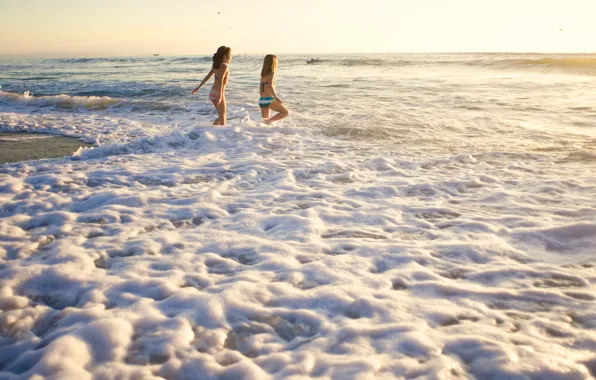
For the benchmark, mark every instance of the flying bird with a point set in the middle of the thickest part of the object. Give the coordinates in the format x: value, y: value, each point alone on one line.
x: 561, y: 29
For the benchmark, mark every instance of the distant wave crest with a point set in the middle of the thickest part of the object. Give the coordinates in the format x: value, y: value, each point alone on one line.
x: 572, y: 64
x: 58, y: 101
x: 67, y: 102
x: 376, y: 62
x: 133, y: 60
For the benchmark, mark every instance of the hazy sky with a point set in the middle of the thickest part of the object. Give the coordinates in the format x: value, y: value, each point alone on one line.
x: 138, y: 27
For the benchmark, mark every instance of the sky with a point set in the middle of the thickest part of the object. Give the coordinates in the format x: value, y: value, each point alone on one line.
x: 77, y: 28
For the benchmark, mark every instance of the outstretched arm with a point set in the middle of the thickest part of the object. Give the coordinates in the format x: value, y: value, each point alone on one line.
x: 204, y: 81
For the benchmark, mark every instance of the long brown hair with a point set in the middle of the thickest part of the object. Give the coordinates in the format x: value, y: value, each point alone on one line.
x: 269, y: 65
x: 222, y: 51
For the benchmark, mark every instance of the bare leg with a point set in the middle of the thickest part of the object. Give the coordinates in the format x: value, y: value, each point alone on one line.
x: 281, y: 109
x: 264, y: 113
x: 223, y: 109
x: 216, y: 122
x: 221, y: 112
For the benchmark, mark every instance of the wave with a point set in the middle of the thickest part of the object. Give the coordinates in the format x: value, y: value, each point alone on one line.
x: 58, y: 101
x: 583, y: 65
x: 92, y: 102
x: 200, y: 137
x: 378, y: 62
x: 189, y: 59
x: 134, y: 90
x: 37, y: 78
x: 175, y: 139
x: 570, y: 64
x: 578, y: 63
x: 96, y: 60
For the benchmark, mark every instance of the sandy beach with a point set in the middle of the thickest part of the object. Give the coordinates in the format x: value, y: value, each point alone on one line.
x: 16, y: 147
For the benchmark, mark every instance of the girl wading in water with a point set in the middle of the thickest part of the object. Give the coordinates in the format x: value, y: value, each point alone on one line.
x: 269, y: 100
x: 221, y: 58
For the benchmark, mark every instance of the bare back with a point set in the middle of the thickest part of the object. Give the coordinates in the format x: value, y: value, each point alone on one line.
x: 220, y: 78
x: 267, y: 86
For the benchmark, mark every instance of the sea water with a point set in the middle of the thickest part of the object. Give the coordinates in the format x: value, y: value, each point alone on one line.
x: 417, y: 215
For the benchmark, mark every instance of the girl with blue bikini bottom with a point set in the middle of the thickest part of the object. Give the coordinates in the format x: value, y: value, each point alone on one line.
x: 269, y: 100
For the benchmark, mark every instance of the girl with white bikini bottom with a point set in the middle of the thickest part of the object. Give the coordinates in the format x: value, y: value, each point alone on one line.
x: 217, y: 95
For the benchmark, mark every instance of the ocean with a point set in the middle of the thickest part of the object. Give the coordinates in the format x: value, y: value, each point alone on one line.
x: 416, y: 216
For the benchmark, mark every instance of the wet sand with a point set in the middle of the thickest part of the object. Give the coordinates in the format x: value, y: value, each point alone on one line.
x: 17, y: 146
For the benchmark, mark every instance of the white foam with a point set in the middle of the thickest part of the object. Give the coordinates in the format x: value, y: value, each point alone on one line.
x: 60, y: 101
x: 92, y: 128
x: 247, y: 252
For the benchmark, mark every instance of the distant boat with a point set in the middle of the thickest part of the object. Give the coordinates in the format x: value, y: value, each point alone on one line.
x: 312, y: 60
x: 156, y: 55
